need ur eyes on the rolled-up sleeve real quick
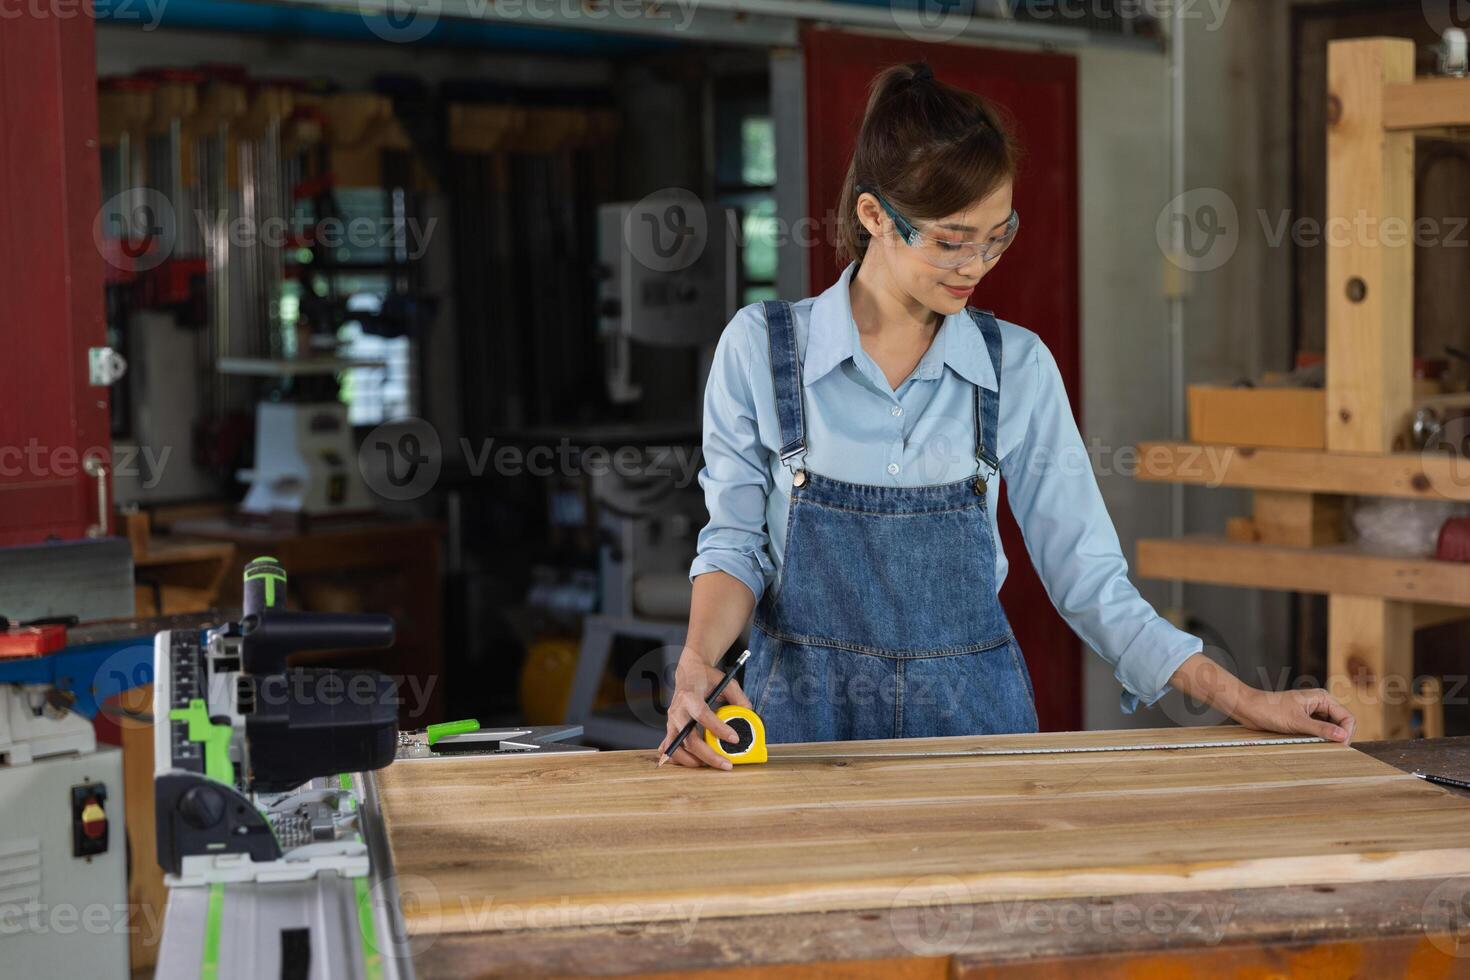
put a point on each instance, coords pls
(1054, 495)
(735, 476)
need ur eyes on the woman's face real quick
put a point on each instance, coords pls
(944, 291)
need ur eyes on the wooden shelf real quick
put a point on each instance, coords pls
(1424, 476)
(1334, 569)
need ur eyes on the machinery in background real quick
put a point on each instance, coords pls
(255, 221)
(63, 859)
(305, 453)
(250, 754)
(64, 902)
(669, 272)
(670, 278)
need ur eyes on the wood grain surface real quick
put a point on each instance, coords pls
(501, 844)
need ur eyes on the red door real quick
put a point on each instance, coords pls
(51, 302)
(1037, 286)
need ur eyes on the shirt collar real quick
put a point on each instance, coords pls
(832, 338)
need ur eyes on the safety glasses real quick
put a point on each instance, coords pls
(944, 253)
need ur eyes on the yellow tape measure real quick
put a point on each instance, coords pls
(750, 744)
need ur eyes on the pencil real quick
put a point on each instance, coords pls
(1430, 777)
(709, 703)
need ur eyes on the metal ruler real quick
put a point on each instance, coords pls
(966, 753)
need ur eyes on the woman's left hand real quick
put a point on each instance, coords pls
(1296, 713)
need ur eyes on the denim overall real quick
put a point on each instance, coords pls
(886, 623)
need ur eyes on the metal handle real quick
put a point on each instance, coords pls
(93, 466)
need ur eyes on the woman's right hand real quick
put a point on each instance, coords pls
(694, 678)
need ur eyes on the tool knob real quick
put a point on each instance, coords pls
(201, 807)
(265, 586)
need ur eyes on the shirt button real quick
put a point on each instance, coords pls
(893, 469)
(897, 411)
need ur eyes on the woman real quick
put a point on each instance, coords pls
(852, 447)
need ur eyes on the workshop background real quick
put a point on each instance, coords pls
(418, 298)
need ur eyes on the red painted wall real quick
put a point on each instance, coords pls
(51, 301)
(1036, 285)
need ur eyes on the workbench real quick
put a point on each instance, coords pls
(519, 837)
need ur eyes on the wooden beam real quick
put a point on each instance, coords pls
(1370, 663)
(1423, 476)
(1300, 520)
(1427, 616)
(1337, 569)
(1428, 103)
(1370, 259)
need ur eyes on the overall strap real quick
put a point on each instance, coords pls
(987, 402)
(786, 376)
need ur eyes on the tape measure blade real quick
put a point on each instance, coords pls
(1073, 750)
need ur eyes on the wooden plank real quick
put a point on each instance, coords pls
(1299, 520)
(1279, 417)
(1427, 103)
(864, 943)
(1370, 662)
(547, 842)
(1333, 569)
(1426, 476)
(1370, 261)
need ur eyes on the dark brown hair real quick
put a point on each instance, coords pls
(929, 148)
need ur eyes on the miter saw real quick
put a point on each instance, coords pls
(252, 756)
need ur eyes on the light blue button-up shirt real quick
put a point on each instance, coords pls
(859, 430)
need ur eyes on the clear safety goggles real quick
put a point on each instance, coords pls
(944, 253)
